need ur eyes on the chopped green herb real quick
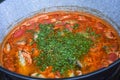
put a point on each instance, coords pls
(89, 29)
(32, 42)
(30, 31)
(37, 74)
(60, 52)
(106, 49)
(91, 32)
(75, 26)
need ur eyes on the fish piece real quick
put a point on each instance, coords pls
(21, 58)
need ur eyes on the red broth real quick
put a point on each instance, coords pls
(94, 41)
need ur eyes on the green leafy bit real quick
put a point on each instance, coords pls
(60, 52)
(106, 49)
(91, 32)
(75, 26)
(32, 42)
(30, 31)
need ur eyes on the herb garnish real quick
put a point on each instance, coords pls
(91, 32)
(60, 52)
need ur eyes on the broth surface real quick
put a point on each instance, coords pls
(60, 44)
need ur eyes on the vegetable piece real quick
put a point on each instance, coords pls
(53, 20)
(78, 72)
(34, 74)
(27, 57)
(76, 26)
(71, 74)
(79, 64)
(68, 26)
(8, 47)
(35, 53)
(37, 75)
(112, 57)
(57, 75)
(106, 49)
(71, 22)
(110, 35)
(18, 33)
(115, 47)
(65, 17)
(100, 26)
(35, 36)
(51, 75)
(82, 18)
(23, 42)
(43, 17)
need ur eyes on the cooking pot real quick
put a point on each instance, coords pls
(107, 73)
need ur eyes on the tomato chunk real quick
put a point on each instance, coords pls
(19, 33)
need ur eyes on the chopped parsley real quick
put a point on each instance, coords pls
(75, 26)
(91, 32)
(60, 52)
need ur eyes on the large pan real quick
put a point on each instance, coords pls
(103, 74)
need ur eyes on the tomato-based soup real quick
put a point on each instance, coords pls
(60, 44)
